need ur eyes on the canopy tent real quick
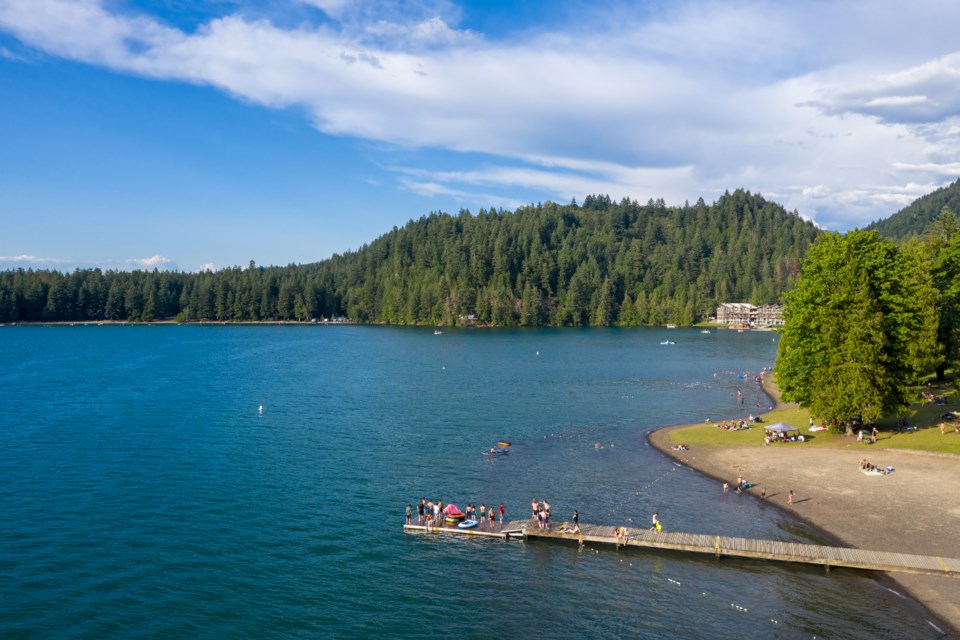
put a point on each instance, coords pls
(780, 427)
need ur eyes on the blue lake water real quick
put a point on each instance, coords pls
(143, 495)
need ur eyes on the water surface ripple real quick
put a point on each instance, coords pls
(143, 495)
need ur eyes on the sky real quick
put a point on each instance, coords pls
(191, 135)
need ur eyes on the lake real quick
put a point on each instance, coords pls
(143, 494)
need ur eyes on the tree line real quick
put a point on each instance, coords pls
(597, 263)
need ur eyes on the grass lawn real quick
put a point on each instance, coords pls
(924, 416)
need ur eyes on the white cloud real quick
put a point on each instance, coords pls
(812, 108)
(153, 262)
(207, 266)
(333, 8)
(25, 259)
(945, 169)
(925, 93)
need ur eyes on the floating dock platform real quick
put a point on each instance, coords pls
(718, 546)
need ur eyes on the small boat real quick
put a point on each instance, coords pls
(668, 342)
(468, 524)
(705, 331)
(503, 443)
(437, 332)
(671, 326)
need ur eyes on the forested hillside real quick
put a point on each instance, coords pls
(599, 263)
(916, 218)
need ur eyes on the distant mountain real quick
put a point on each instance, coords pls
(914, 219)
(599, 263)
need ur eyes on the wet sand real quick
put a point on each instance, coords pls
(915, 509)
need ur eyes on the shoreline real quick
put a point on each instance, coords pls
(845, 508)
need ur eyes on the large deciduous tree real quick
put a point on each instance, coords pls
(860, 328)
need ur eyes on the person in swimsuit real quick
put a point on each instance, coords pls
(576, 522)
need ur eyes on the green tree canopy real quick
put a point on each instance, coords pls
(860, 327)
(946, 278)
(541, 264)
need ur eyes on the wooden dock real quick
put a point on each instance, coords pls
(718, 546)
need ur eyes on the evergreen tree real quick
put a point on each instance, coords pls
(859, 329)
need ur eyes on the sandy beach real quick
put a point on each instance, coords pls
(915, 509)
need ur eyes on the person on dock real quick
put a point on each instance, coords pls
(576, 522)
(546, 514)
(536, 509)
(493, 518)
(655, 521)
(500, 509)
(420, 507)
(409, 514)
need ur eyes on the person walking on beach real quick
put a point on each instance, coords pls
(763, 493)
(790, 497)
(726, 487)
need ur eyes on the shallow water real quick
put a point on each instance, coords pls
(144, 495)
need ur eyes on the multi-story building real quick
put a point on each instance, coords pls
(743, 314)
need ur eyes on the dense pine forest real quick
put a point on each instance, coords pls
(915, 219)
(596, 263)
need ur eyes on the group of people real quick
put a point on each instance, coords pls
(735, 425)
(869, 439)
(743, 484)
(781, 437)
(486, 513)
(541, 513)
(432, 513)
(868, 467)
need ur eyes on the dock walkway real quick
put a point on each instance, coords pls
(718, 546)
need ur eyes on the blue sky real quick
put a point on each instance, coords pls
(190, 135)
